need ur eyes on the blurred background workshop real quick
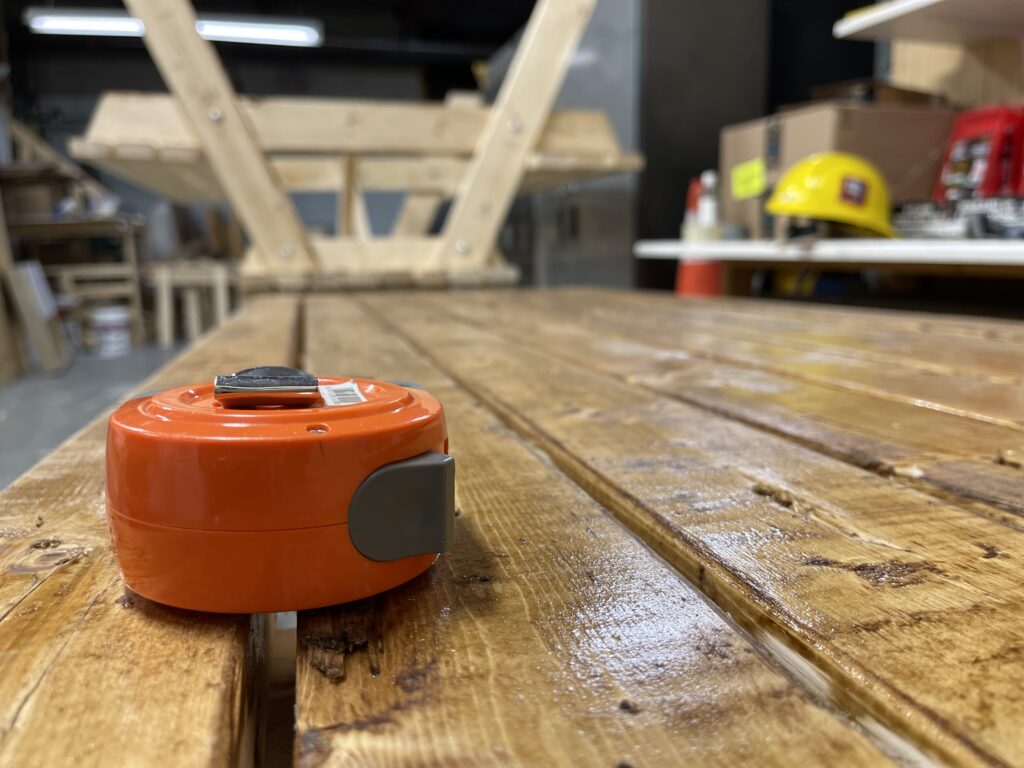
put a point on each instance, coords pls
(749, 272)
(131, 230)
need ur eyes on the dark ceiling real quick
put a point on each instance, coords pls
(383, 29)
(440, 39)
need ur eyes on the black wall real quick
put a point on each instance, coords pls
(706, 65)
(437, 40)
(804, 53)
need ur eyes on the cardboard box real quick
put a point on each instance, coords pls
(906, 143)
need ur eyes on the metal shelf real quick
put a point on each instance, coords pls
(953, 21)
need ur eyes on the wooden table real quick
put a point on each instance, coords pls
(711, 532)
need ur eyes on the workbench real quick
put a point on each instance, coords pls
(720, 532)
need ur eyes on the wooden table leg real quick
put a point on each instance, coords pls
(221, 296)
(164, 307)
(193, 314)
(131, 257)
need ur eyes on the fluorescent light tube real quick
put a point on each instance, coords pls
(46, 21)
(257, 30)
(271, 32)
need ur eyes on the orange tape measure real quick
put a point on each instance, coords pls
(273, 490)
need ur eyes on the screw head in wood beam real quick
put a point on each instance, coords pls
(215, 115)
(463, 248)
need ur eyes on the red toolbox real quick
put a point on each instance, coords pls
(983, 158)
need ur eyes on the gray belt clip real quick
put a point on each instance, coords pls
(405, 508)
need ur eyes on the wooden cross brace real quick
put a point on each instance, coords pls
(256, 186)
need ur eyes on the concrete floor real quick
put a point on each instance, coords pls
(37, 413)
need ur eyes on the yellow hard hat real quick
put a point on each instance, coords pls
(834, 186)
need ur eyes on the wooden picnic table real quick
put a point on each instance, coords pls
(703, 532)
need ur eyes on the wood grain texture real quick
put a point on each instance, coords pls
(126, 125)
(91, 675)
(968, 75)
(548, 636)
(973, 394)
(845, 316)
(910, 607)
(935, 347)
(942, 452)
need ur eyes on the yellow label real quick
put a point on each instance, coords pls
(748, 179)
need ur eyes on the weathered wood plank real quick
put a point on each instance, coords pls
(938, 451)
(185, 176)
(987, 398)
(987, 461)
(90, 675)
(333, 126)
(205, 97)
(939, 348)
(514, 126)
(842, 317)
(772, 315)
(910, 607)
(548, 636)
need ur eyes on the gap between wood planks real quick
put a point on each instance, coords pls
(277, 696)
(77, 649)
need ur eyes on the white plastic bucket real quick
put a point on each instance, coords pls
(111, 330)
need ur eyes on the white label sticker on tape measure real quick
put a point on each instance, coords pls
(346, 393)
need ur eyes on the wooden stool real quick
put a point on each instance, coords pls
(192, 279)
(92, 281)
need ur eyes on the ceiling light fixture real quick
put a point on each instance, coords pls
(51, 21)
(305, 34)
(256, 30)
